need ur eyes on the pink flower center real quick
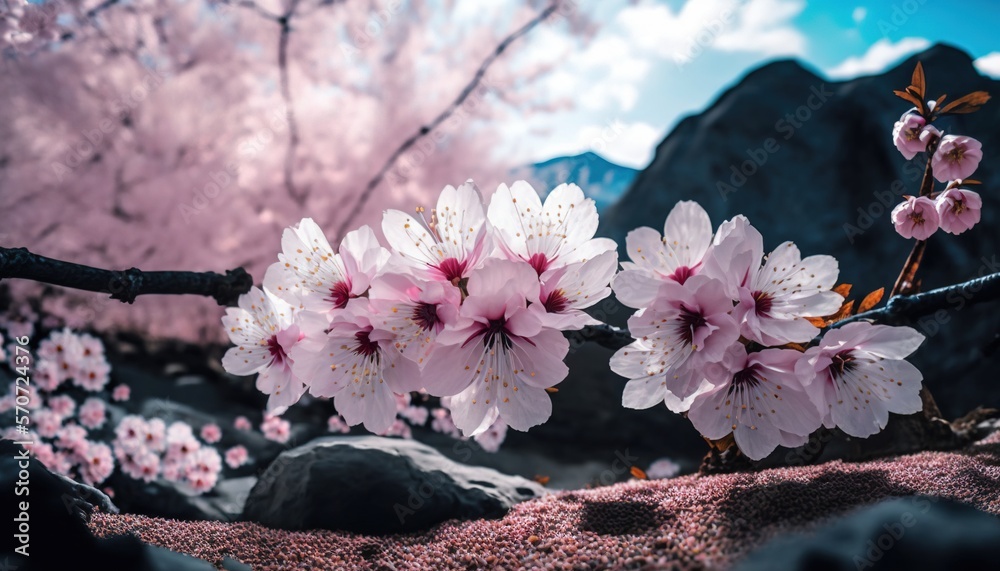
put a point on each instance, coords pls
(452, 269)
(340, 294)
(763, 303)
(495, 331)
(425, 316)
(842, 362)
(956, 154)
(745, 379)
(682, 274)
(365, 346)
(539, 262)
(556, 302)
(688, 323)
(278, 356)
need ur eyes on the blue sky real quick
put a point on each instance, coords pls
(654, 61)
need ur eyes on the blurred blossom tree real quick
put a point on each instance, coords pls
(186, 134)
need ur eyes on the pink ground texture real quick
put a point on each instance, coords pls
(691, 522)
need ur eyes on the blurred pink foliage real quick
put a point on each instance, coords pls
(154, 134)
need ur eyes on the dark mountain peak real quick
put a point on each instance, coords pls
(941, 55)
(780, 70)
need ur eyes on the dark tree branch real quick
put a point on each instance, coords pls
(123, 285)
(900, 310)
(426, 129)
(286, 95)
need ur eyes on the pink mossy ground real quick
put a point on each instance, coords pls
(690, 522)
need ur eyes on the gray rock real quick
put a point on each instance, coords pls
(375, 485)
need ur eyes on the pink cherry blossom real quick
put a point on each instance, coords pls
(310, 275)
(201, 482)
(130, 434)
(92, 374)
(47, 376)
(550, 235)
(916, 217)
(62, 405)
(662, 468)
(64, 350)
(449, 246)
(414, 310)
(97, 463)
(398, 428)
(956, 157)
(242, 423)
(415, 415)
(276, 428)
(205, 460)
(759, 400)
(675, 256)
(92, 413)
(264, 332)
(567, 290)
(92, 347)
(121, 393)
(911, 134)
(211, 433)
(499, 359)
(857, 375)
(357, 364)
(441, 422)
(337, 424)
(237, 456)
(687, 327)
(784, 291)
(72, 438)
(493, 437)
(959, 209)
(47, 423)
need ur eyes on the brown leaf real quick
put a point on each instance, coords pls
(542, 479)
(909, 97)
(843, 313)
(940, 100)
(843, 289)
(918, 80)
(638, 473)
(967, 103)
(817, 321)
(971, 181)
(551, 390)
(724, 443)
(871, 300)
(799, 346)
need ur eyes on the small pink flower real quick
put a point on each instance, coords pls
(441, 422)
(72, 438)
(97, 464)
(911, 135)
(236, 456)
(662, 468)
(275, 428)
(121, 393)
(92, 374)
(337, 424)
(62, 405)
(242, 423)
(47, 423)
(205, 460)
(211, 433)
(493, 437)
(398, 428)
(956, 157)
(92, 413)
(47, 375)
(916, 217)
(416, 415)
(201, 482)
(959, 209)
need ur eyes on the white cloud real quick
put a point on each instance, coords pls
(859, 14)
(753, 26)
(628, 144)
(989, 65)
(879, 56)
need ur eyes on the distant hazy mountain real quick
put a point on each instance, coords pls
(812, 160)
(599, 178)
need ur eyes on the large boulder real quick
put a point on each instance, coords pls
(375, 485)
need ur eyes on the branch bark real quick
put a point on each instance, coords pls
(426, 129)
(123, 285)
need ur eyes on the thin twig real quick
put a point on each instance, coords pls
(123, 285)
(426, 129)
(286, 95)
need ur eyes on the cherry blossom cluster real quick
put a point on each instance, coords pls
(713, 329)
(955, 158)
(75, 439)
(468, 304)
